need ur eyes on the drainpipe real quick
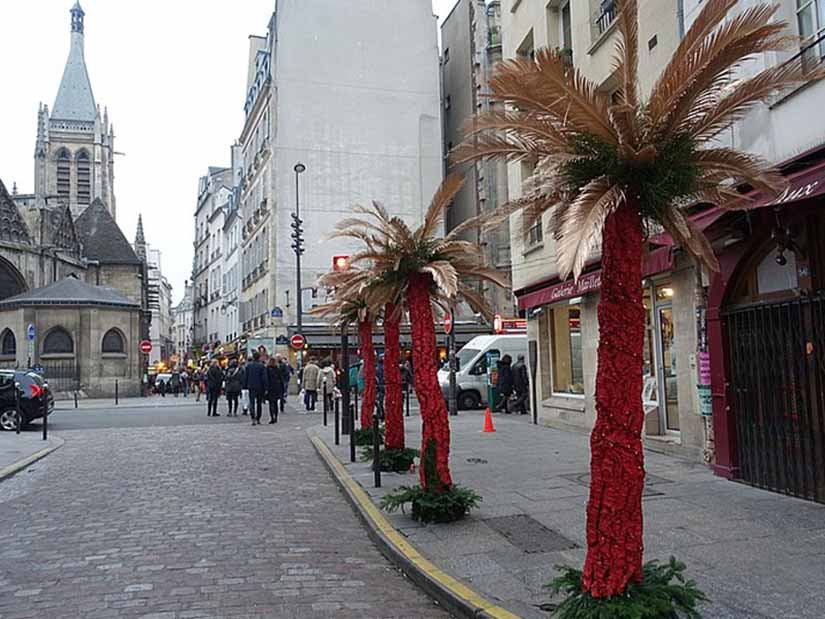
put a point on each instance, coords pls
(680, 18)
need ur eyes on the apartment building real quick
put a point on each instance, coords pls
(721, 357)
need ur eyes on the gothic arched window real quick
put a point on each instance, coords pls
(64, 173)
(84, 178)
(8, 344)
(113, 342)
(58, 341)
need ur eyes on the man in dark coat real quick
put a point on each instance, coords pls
(505, 382)
(521, 385)
(214, 382)
(257, 382)
(234, 376)
(275, 393)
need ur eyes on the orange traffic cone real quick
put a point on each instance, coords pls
(488, 421)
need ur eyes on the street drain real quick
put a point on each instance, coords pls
(529, 535)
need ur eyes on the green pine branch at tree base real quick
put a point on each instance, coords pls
(428, 507)
(392, 460)
(664, 593)
(363, 436)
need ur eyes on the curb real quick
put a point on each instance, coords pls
(453, 595)
(18, 466)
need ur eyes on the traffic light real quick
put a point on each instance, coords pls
(340, 263)
(297, 234)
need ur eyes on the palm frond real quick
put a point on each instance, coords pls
(583, 224)
(741, 167)
(510, 147)
(626, 65)
(441, 200)
(689, 237)
(444, 275)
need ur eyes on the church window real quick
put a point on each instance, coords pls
(84, 178)
(64, 171)
(58, 341)
(8, 344)
(113, 342)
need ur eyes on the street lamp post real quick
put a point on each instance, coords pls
(298, 246)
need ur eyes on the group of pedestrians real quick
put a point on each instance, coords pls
(247, 385)
(513, 385)
(316, 378)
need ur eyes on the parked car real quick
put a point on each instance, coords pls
(471, 375)
(35, 398)
(162, 381)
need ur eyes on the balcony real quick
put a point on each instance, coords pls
(604, 18)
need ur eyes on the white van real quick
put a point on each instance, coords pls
(471, 376)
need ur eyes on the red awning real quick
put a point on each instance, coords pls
(802, 185)
(658, 261)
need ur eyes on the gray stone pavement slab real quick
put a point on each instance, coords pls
(222, 520)
(757, 555)
(15, 448)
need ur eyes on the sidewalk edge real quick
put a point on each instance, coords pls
(18, 466)
(447, 590)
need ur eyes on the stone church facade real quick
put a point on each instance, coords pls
(65, 265)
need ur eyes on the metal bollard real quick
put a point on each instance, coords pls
(376, 453)
(337, 420)
(75, 399)
(407, 397)
(116, 392)
(351, 436)
(325, 405)
(45, 420)
(17, 410)
(355, 403)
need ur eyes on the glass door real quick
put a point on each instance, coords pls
(667, 369)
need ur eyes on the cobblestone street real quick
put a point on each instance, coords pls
(221, 520)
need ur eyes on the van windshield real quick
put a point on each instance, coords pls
(465, 355)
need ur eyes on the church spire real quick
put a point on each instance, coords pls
(75, 101)
(140, 240)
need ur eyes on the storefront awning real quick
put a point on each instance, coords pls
(555, 291)
(803, 185)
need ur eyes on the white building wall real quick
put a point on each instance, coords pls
(358, 103)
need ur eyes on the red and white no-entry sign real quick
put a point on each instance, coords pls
(297, 341)
(146, 347)
(448, 322)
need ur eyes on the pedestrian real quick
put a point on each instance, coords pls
(256, 381)
(310, 381)
(244, 390)
(505, 382)
(196, 384)
(174, 382)
(275, 392)
(521, 385)
(184, 383)
(286, 373)
(161, 387)
(233, 387)
(327, 383)
(214, 382)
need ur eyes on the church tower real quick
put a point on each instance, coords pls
(74, 151)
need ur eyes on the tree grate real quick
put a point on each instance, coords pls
(529, 535)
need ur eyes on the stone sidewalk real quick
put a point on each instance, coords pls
(17, 449)
(756, 554)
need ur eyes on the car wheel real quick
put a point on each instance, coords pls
(468, 400)
(8, 420)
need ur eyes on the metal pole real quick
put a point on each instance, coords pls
(299, 301)
(116, 392)
(376, 454)
(453, 402)
(337, 421)
(45, 419)
(17, 410)
(75, 399)
(407, 398)
(325, 404)
(351, 436)
(345, 393)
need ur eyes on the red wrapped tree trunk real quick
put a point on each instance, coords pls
(368, 355)
(614, 510)
(435, 426)
(393, 414)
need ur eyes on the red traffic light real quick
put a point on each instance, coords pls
(340, 263)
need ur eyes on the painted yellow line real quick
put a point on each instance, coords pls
(402, 545)
(18, 466)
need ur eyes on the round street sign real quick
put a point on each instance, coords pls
(448, 322)
(146, 347)
(297, 341)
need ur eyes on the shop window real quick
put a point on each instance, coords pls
(58, 341)
(568, 372)
(113, 342)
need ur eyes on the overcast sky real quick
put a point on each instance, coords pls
(172, 74)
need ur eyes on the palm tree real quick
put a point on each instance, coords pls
(608, 171)
(422, 267)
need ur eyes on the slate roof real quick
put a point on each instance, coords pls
(12, 226)
(70, 291)
(102, 238)
(75, 100)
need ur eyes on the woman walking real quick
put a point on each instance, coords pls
(233, 387)
(275, 393)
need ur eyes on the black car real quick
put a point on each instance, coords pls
(35, 397)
